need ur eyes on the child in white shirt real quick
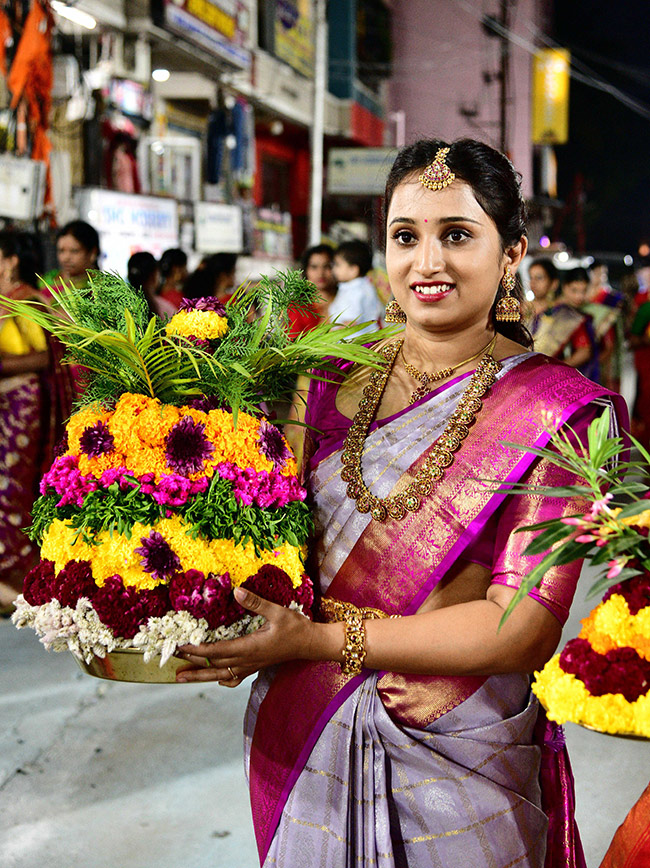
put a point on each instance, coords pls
(356, 299)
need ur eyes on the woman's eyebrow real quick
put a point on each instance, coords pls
(441, 220)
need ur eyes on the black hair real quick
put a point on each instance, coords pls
(26, 248)
(202, 282)
(140, 267)
(311, 251)
(548, 267)
(356, 253)
(82, 232)
(496, 186)
(172, 258)
(597, 263)
(573, 274)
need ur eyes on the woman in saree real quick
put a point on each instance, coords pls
(77, 253)
(35, 400)
(566, 331)
(399, 729)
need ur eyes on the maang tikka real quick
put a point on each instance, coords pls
(437, 175)
(508, 308)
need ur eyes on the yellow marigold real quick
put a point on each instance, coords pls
(116, 555)
(204, 324)
(566, 698)
(640, 520)
(96, 466)
(610, 625)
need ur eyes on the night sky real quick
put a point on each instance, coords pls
(609, 144)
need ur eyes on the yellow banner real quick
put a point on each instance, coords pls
(551, 97)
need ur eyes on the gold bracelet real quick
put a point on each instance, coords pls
(354, 650)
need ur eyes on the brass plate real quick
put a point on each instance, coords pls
(128, 664)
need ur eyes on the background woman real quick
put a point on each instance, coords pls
(77, 252)
(143, 272)
(544, 283)
(566, 331)
(316, 263)
(35, 400)
(415, 740)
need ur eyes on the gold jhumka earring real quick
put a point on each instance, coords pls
(437, 175)
(508, 308)
(394, 312)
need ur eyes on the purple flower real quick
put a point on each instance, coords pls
(96, 440)
(157, 556)
(187, 446)
(208, 597)
(208, 302)
(172, 490)
(66, 479)
(272, 444)
(207, 403)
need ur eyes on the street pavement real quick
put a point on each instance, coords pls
(95, 774)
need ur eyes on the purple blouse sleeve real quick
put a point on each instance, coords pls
(509, 564)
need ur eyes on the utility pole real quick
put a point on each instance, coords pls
(318, 124)
(504, 72)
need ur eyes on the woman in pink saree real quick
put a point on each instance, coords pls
(399, 729)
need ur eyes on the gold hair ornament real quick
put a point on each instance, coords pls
(508, 308)
(438, 175)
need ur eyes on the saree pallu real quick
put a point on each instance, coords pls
(405, 770)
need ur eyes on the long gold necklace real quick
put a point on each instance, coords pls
(439, 458)
(427, 380)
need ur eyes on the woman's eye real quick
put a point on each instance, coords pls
(456, 235)
(404, 236)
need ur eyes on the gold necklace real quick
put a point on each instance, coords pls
(441, 454)
(427, 380)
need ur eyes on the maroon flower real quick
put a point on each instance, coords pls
(158, 558)
(272, 445)
(636, 592)
(208, 302)
(96, 440)
(62, 446)
(38, 584)
(123, 608)
(304, 595)
(75, 580)
(272, 584)
(208, 597)
(187, 447)
(208, 402)
(621, 670)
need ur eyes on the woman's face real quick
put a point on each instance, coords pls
(575, 293)
(8, 270)
(74, 259)
(319, 271)
(540, 283)
(444, 257)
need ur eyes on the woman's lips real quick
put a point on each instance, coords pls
(432, 291)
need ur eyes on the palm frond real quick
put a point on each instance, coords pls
(108, 329)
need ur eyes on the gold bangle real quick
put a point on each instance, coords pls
(354, 650)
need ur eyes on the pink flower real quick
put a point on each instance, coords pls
(573, 520)
(615, 567)
(585, 538)
(599, 505)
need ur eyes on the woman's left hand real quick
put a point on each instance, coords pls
(286, 635)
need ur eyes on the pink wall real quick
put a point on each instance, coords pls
(440, 53)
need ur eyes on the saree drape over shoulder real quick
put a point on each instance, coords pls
(401, 770)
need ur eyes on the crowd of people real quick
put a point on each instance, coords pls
(576, 316)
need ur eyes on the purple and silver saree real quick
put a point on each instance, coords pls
(407, 770)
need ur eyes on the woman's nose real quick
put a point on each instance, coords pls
(429, 259)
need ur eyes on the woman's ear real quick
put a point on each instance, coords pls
(516, 253)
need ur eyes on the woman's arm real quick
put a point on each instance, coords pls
(458, 640)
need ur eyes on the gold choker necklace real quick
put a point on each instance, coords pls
(441, 454)
(427, 380)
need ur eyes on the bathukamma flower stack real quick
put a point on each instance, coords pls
(172, 487)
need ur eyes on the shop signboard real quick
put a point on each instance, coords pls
(128, 224)
(272, 234)
(219, 228)
(358, 171)
(551, 97)
(294, 35)
(219, 26)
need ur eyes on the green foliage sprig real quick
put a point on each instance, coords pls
(107, 328)
(613, 533)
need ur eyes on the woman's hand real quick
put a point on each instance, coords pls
(286, 635)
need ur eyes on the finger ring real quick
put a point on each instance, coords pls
(232, 674)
